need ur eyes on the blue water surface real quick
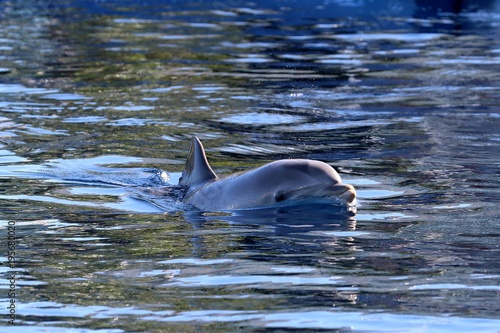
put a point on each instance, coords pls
(98, 102)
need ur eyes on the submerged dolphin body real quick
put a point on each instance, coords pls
(282, 182)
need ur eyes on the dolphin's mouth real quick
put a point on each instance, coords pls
(343, 193)
(347, 193)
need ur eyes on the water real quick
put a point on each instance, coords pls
(98, 101)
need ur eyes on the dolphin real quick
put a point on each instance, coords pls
(283, 182)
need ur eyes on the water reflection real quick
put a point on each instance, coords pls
(99, 100)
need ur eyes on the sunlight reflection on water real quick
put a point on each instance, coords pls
(96, 112)
(295, 320)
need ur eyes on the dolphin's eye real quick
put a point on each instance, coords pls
(280, 197)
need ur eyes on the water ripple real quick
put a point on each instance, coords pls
(98, 99)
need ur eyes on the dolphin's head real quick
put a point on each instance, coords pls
(299, 179)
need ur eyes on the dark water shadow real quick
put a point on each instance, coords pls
(308, 216)
(271, 234)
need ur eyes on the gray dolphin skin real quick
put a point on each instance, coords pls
(282, 182)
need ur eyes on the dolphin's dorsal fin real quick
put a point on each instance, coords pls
(197, 169)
